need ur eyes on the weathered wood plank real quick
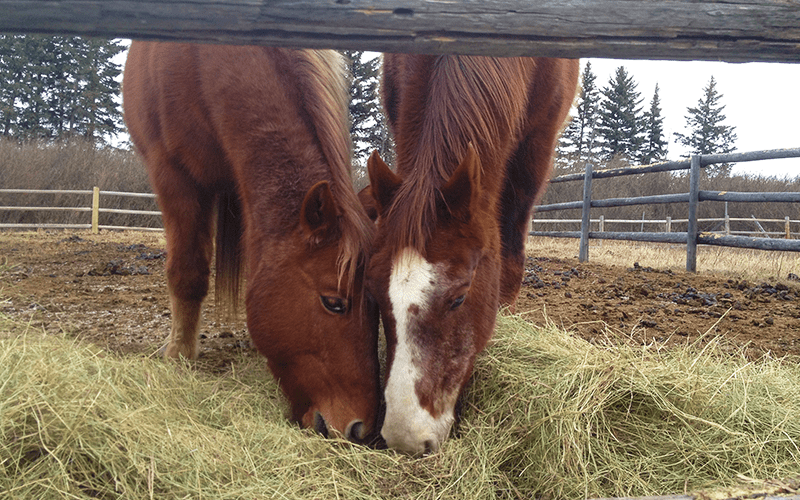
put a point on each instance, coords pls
(733, 30)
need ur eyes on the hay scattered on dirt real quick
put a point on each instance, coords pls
(548, 415)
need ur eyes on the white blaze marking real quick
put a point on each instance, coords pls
(407, 425)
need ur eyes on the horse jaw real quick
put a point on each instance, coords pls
(408, 426)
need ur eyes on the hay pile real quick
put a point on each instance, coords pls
(548, 415)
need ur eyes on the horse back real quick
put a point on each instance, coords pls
(167, 117)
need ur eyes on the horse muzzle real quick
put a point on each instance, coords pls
(355, 431)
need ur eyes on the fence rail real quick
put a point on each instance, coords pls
(692, 237)
(94, 208)
(601, 222)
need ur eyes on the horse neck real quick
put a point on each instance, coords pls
(447, 102)
(321, 76)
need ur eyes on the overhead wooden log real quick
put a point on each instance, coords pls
(732, 30)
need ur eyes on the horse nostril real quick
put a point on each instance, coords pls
(429, 447)
(319, 425)
(356, 431)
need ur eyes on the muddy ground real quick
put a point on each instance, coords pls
(110, 290)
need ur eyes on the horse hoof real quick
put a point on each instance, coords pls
(168, 351)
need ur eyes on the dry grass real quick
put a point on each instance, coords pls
(740, 263)
(548, 416)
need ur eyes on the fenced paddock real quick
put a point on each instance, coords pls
(133, 434)
(691, 237)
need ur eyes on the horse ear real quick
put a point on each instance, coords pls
(319, 216)
(368, 202)
(462, 191)
(383, 182)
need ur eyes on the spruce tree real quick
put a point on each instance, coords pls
(654, 147)
(619, 125)
(707, 134)
(97, 114)
(578, 140)
(368, 126)
(23, 60)
(57, 88)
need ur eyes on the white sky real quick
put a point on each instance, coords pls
(761, 100)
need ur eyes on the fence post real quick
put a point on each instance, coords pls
(583, 253)
(669, 224)
(691, 230)
(95, 210)
(727, 221)
(786, 227)
(603, 223)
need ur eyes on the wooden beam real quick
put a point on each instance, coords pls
(731, 30)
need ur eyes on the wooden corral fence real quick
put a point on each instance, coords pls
(667, 224)
(691, 238)
(94, 209)
(733, 30)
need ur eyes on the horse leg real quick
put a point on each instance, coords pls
(187, 214)
(526, 175)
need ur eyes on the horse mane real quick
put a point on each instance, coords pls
(321, 76)
(452, 101)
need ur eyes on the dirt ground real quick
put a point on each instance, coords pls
(110, 290)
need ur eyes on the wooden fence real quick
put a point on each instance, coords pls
(94, 209)
(692, 237)
(668, 222)
(744, 30)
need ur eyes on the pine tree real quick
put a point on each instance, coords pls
(619, 124)
(23, 59)
(654, 147)
(57, 88)
(13, 88)
(368, 124)
(97, 114)
(707, 134)
(578, 140)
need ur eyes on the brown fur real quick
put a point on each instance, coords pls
(511, 110)
(261, 135)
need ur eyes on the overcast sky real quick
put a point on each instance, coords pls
(761, 100)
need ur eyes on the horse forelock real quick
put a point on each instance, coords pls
(322, 74)
(447, 103)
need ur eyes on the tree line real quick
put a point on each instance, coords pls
(610, 123)
(60, 114)
(61, 88)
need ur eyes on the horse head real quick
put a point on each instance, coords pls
(318, 331)
(438, 302)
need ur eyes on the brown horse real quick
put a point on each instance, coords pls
(259, 136)
(475, 139)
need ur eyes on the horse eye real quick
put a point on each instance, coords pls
(457, 303)
(336, 305)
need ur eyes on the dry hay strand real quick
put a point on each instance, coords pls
(547, 415)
